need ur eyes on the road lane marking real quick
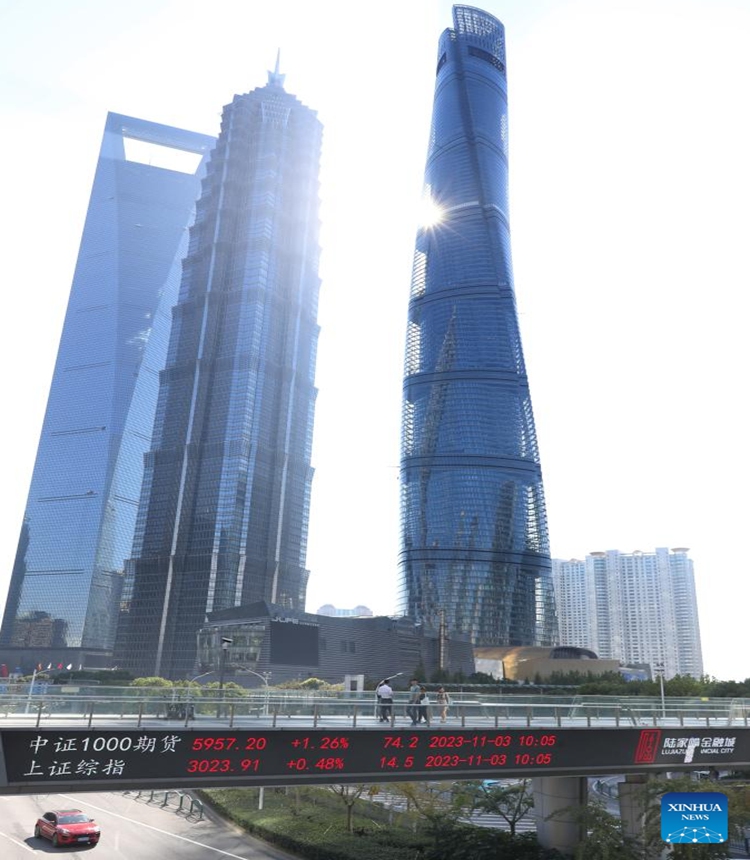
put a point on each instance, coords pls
(22, 844)
(77, 800)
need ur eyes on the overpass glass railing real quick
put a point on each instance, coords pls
(290, 708)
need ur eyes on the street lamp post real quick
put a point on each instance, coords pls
(264, 677)
(660, 672)
(189, 704)
(225, 643)
(31, 691)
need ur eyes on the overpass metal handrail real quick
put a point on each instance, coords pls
(281, 708)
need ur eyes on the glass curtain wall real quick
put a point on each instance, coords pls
(81, 510)
(475, 549)
(224, 510)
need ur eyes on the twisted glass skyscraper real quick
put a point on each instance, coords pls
(475, 550)
(223, 515)
(80, 515)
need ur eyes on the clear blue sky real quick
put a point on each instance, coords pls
(629, 136)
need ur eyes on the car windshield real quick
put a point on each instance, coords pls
(73, 818)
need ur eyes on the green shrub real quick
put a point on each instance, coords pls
(311, 822)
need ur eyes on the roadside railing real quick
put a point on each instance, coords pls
(180, 801)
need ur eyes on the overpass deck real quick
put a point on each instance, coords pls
(272, 710)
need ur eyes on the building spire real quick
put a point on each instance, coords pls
(275, 78)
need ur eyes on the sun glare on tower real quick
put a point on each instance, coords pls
(430, 211)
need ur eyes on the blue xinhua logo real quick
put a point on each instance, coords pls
(697, 817)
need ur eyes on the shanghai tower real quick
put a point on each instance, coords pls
(223, 515)
(475, 550)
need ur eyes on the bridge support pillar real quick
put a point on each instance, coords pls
(632, 806)
(561, 797)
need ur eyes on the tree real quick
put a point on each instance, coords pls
(431, 801)
(231, 689)
(192, 686)
(510, 800)
(349, 795)
(452, 840)
(309, 684)
(603, 837)
(683, 685)
(482, 678)
(151, 682)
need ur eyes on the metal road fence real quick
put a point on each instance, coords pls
(61, 705)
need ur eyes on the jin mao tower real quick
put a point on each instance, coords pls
(475, 549)
(224, 508)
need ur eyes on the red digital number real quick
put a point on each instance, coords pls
(334, 743)
(216, 744)
(442, 761)
(441, 741)
(209, 765)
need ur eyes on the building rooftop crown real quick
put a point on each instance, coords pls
(275, 78)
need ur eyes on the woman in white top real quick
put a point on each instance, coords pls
(443, 701)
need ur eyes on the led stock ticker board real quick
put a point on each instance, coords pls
(80, 760)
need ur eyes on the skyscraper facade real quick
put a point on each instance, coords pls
(637, 607)
(224, 508)
(475, 549)
(80, 515)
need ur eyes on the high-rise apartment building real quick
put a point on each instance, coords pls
(80, 515)
(224, 509)
(475, 550)
(637, 607)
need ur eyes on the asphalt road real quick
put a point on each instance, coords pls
(132, 829)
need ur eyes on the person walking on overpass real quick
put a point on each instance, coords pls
(423, 709)
(443, 701)
(384, 693)
(412, 709)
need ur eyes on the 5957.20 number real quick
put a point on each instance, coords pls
(227, 743)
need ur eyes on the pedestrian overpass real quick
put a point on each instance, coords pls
(102, 742)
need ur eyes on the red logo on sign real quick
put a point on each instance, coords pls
(648, 744)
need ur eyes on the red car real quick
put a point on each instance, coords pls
(67, 827)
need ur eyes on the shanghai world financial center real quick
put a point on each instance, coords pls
(173, 474)
(65, 588)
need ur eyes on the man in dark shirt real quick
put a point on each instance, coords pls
(414, 693)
